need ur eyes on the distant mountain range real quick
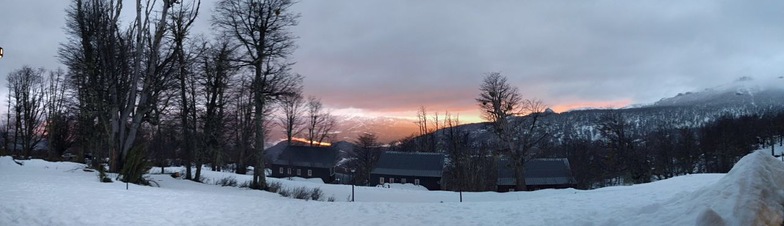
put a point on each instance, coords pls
(743, 96)
(387, 129)
(745, 91)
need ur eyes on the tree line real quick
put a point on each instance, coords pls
(622, 151)
(152, 90)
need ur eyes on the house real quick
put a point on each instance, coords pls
(424, 169)
(306, 162)
(540, 173)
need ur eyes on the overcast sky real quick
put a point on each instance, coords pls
(390, 57)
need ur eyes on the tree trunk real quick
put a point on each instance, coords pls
(519, 166)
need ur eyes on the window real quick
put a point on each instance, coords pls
(299, 171)
(403, 180)
(391, 180)
(288, 171)
(416, 181)
(310, 173)
(280, 170)
(381, 180)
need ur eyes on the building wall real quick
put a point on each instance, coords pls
(431, 183)
(291, 171)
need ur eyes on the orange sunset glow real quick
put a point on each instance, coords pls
(303, 140)
(471, 114)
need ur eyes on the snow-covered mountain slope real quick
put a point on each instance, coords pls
(744, 91)
(348, 128)
(60, 193)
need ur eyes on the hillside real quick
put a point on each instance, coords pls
(746, 91)
(687, 110)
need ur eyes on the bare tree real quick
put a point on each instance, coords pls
(624, 157)
(58, 123)
(364, 156)
(180, 21)
(218, 69)
(118, 75)
(320, 122)
(326, 128)
(291, 120)
(243, 124)
(97, 56)
(261, 28)
(27, 89)
(426, 141)
(516, 122)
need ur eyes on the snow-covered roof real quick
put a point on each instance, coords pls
(544, 171)
(410, 164)
(306, 156)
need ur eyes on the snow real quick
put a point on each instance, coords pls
(61, 193)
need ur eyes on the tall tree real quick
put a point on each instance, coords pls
(97, 55)
(291, 120)
(364, 157)
(260, 27)
(118, 75)
(624, 158)
(218, 69)
(27, 89)
(152, 70)
(58, 123)
(516, 121)
(179, 22)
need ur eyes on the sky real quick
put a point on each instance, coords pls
(388, 58)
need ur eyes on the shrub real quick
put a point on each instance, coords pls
(316, 194)
(274, 187)
(102, 177)
(331, 199)
(135, 166)
(284, 192)
(301, 193)
(245, 184)
(227, 181)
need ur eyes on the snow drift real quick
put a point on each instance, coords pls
(750, 194)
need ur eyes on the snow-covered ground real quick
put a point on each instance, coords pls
(61, 193)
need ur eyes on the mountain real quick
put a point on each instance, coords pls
(745, 91)
(387, 129)
(744, 96)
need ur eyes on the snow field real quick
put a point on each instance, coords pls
(61, 193)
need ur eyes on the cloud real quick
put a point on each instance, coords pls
(403, 53)
(389, 56)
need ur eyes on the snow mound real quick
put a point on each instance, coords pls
(750, 194)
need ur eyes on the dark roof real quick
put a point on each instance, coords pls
(410, 164)
(306, 156)
(545, 171)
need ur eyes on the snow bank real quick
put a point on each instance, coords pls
(750, 194)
